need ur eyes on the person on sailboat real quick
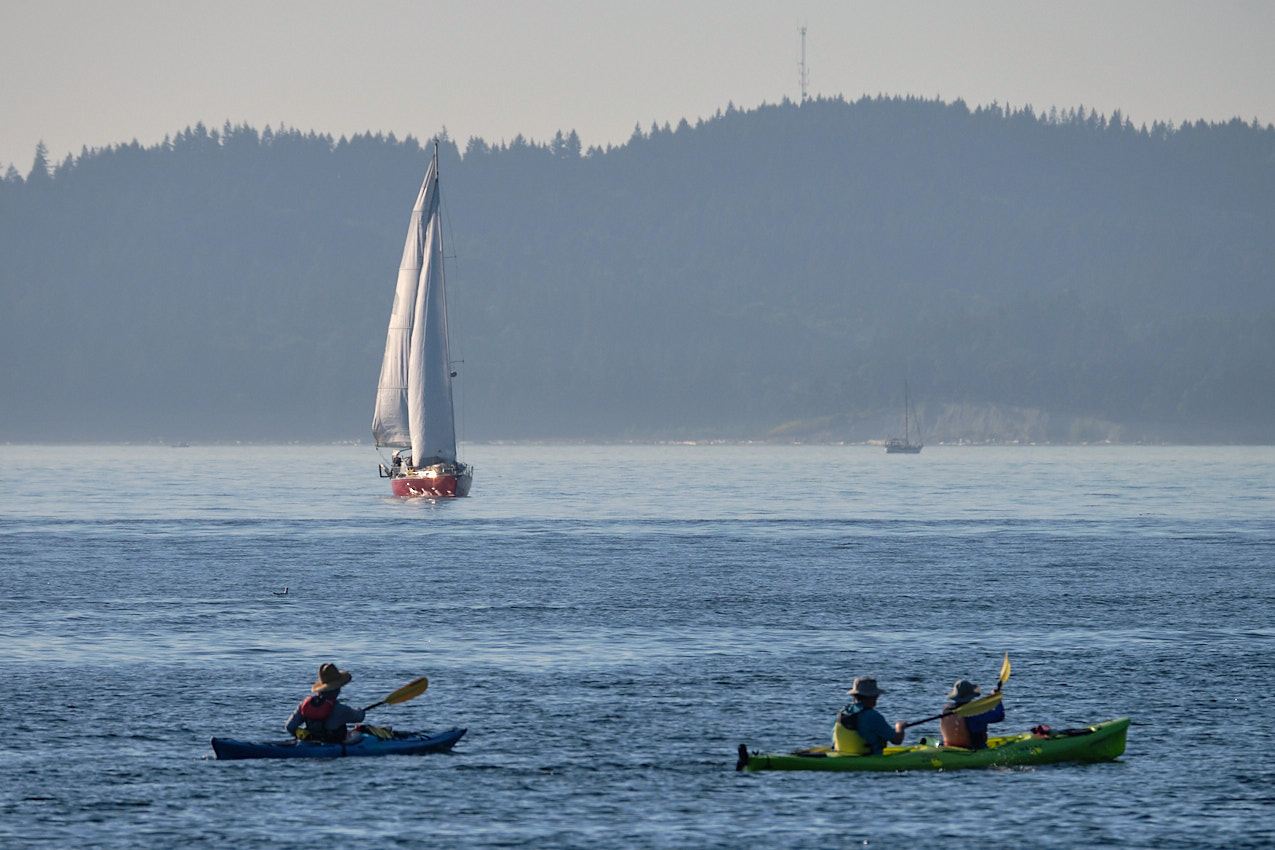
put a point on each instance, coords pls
(860, 729)
(322, 714)
(968, 732)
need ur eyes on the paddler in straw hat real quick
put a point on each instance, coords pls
(322, 713)
(860, 729)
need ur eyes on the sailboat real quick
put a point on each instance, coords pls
(414, 414)
(904, 445)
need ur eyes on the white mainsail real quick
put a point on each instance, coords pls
(414, 395)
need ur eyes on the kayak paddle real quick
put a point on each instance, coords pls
(973, 707)
(411, 690)
(1004, 673)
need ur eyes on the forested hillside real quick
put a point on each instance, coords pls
(773, 273)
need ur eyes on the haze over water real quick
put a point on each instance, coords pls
(610, 622)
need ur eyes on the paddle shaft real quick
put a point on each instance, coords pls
(926, 720)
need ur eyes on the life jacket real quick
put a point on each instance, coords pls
(955, 731)
(846, 737)
(315, 711)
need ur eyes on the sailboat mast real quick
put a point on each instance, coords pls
(907, 404)
(801, 66)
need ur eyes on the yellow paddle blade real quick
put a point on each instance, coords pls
(979, 705)
(411, 690)
(1005, 670)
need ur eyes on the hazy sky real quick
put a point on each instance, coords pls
(99, 72)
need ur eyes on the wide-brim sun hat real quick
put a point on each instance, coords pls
(963, 691)
(865, 686)
(330, 679)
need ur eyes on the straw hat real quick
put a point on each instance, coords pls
(963, 691)
(865, 686)
(330, 679)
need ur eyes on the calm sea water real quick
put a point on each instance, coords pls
(611, 622)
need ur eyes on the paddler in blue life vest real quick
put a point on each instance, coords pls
(860, 729)
(322, 713)
(968, 732)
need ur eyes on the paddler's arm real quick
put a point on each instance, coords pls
(294, 722)
(995, 715)
(900, 731)
(343, 714)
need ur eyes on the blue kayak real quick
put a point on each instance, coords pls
(402, 744)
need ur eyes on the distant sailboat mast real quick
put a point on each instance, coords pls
(907, 412)
(801, 67)
(905, 446)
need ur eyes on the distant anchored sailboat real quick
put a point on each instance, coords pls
(414, 413)
(904, 445)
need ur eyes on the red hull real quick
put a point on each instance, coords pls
(438, 487)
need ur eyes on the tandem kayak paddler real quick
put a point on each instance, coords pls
(1100, 742)
(362, 744)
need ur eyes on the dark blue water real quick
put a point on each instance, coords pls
(611, 622)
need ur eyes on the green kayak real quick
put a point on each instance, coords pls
(1100, 742)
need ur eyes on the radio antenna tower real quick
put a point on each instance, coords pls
(801, 67)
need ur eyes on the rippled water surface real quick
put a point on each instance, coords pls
(611, 622)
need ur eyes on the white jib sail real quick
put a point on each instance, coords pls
(414, 395)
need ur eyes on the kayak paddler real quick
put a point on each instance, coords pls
(860, 729)
(322, 714)
(968, 732)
